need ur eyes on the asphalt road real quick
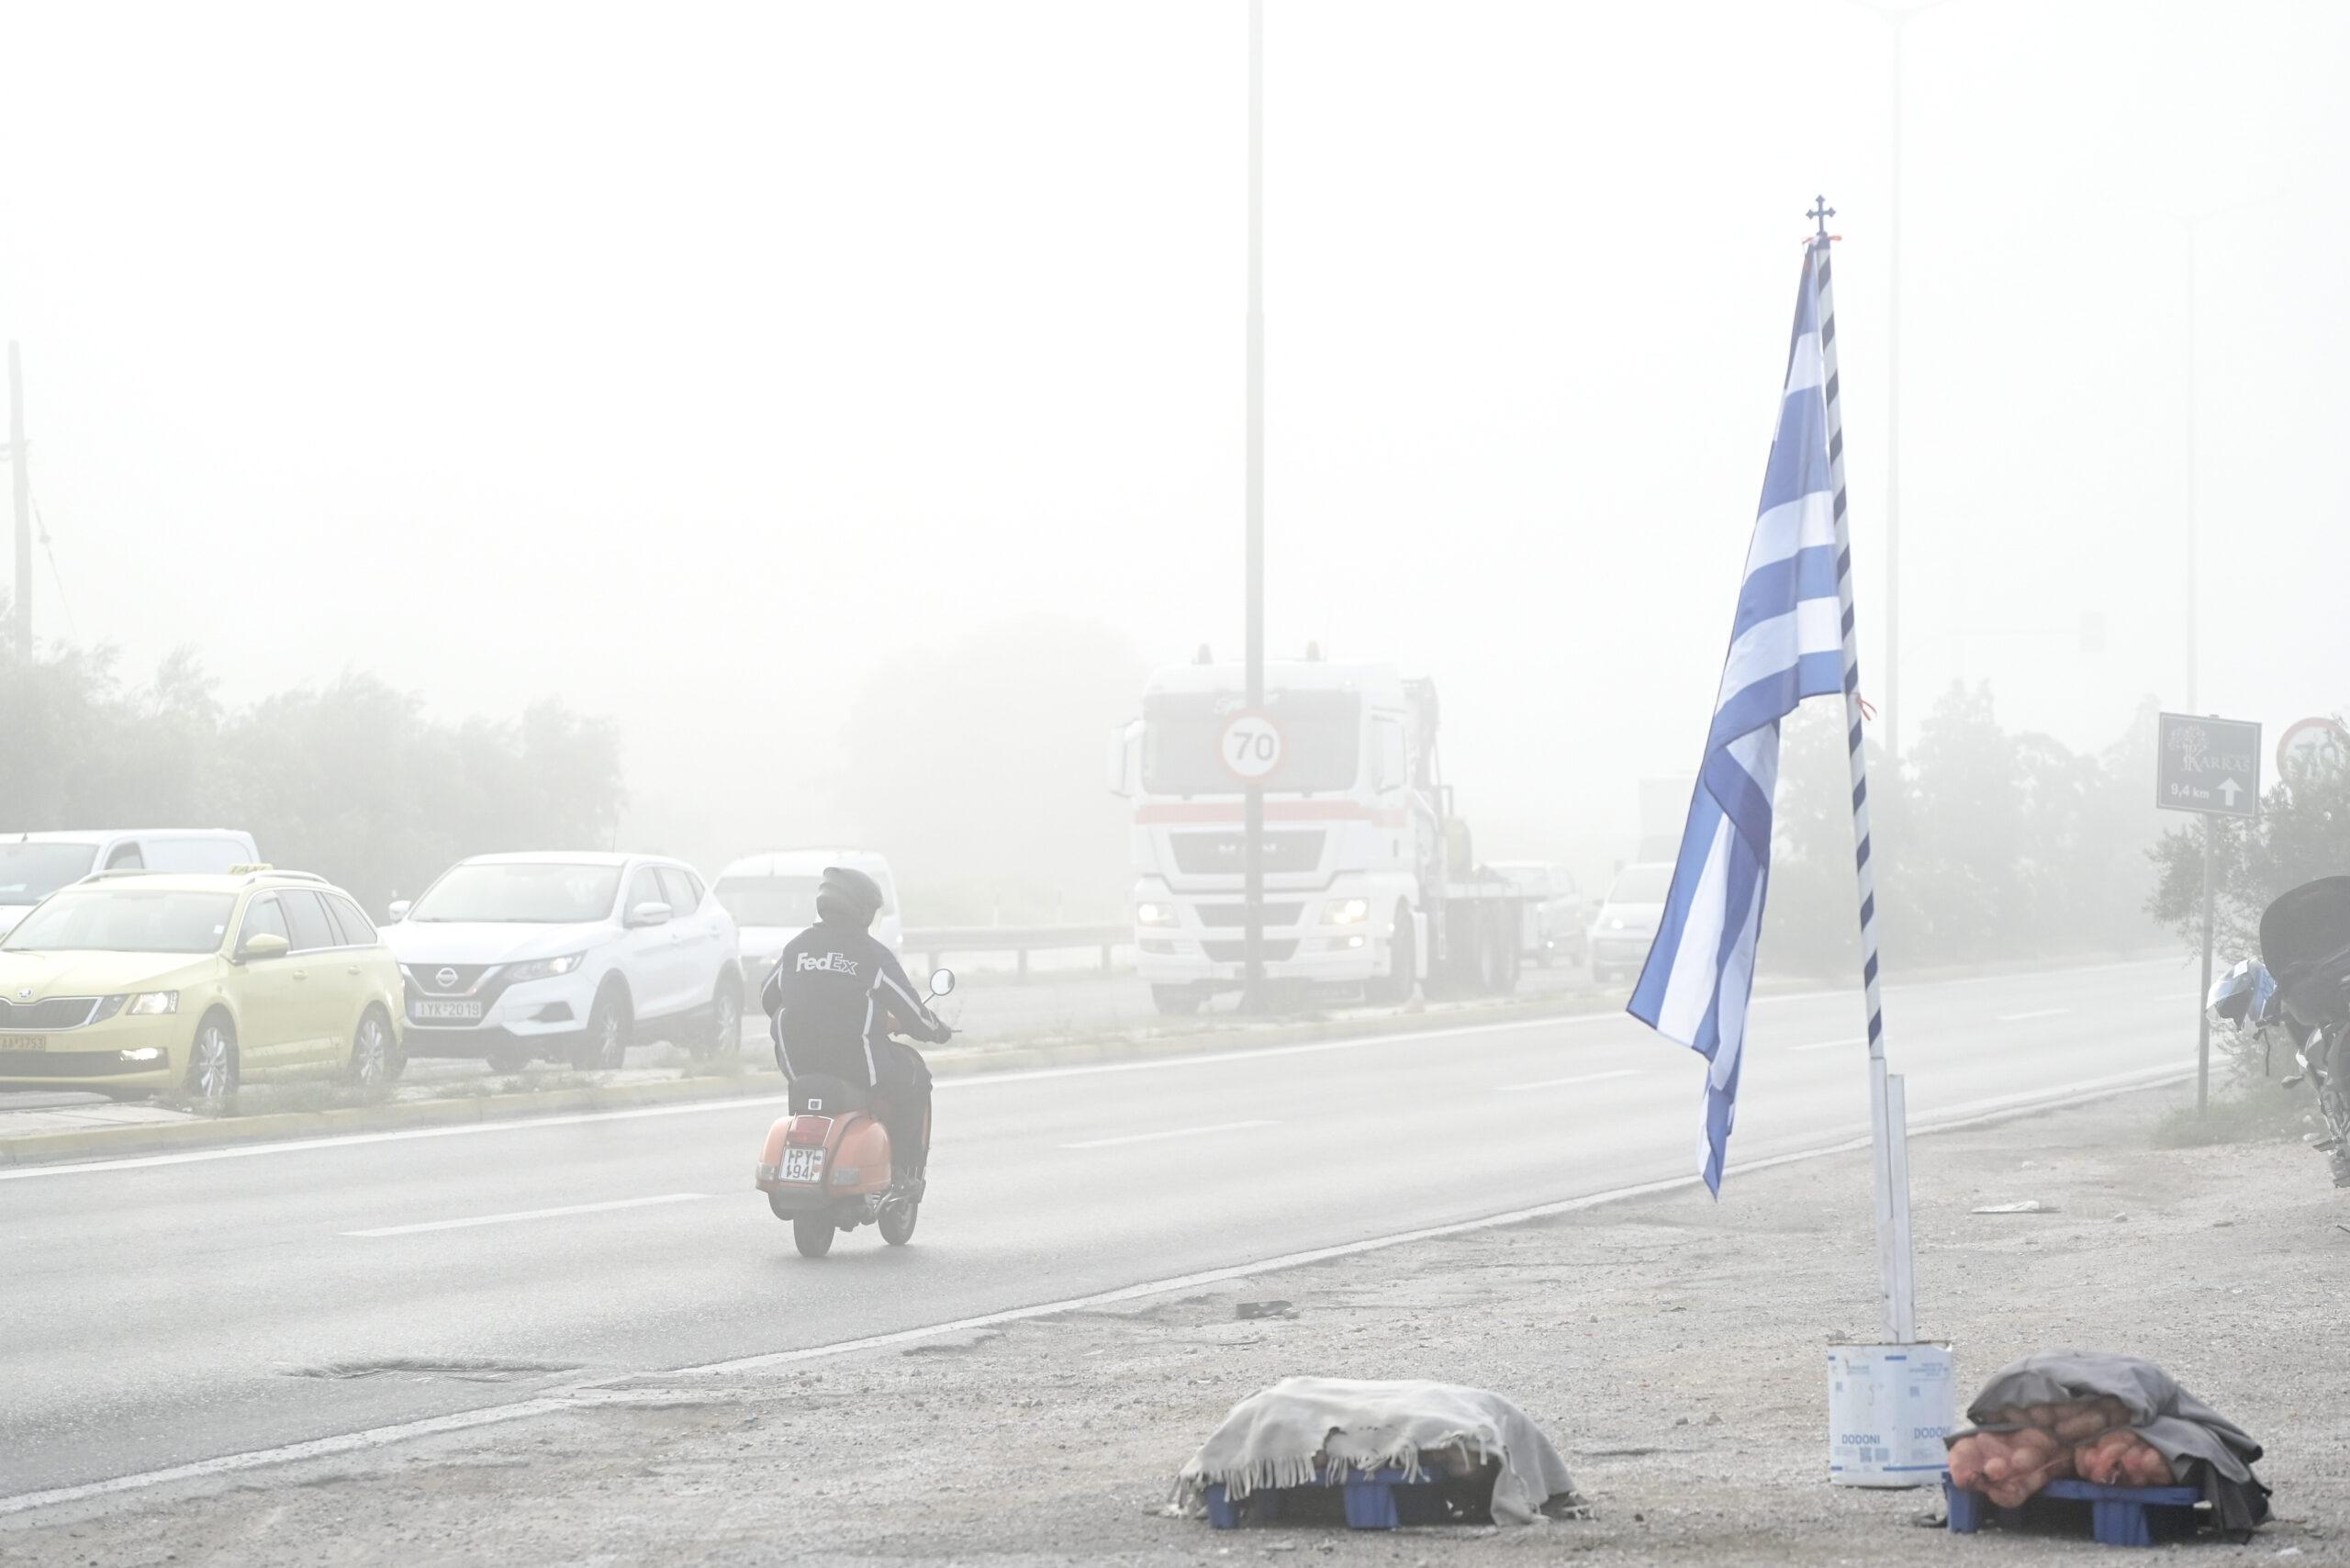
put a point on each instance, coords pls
(176, 1307)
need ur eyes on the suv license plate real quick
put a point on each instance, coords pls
(452, 1011)
(802, 1165)
(24, 1042)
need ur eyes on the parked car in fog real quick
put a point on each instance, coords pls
(141, 980)
(1557, 929)
(35, 865)
(1626, 924)
(566, 955)
(772, 896)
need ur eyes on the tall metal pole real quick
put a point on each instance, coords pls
(20, 482)
(1253, 994)
(2194, 605)
(1893, 435)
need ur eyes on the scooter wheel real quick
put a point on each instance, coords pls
(813, 1234)
(898, 1221)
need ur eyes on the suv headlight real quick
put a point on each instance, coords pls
(544, 968)
(1155, 914)
(154, 1004)
(1348, 912)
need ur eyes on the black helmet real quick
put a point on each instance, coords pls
(848, 897)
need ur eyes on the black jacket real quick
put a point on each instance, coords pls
(836, 994)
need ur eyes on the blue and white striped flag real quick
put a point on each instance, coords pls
(1787, 643)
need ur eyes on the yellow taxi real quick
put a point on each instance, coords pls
(140, 982)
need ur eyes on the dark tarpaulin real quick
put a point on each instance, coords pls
(2200, 1442)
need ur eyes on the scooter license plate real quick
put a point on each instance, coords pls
(801, 1165)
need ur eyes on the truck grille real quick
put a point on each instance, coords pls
(49, 1013)
(1235, 914)
(1238, 952)
(1207, 854)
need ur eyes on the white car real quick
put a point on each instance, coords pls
(568, 956)
(772, 896)
(35, 865)
(1626, 921)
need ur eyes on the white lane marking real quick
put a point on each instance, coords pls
(1171, 1132)
(1829, 1046)
(2028, 1017)
(528, 1214)
(975, 1081)
(570, 1397)
(1562, 1082)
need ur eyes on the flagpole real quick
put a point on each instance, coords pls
(1889, 1120)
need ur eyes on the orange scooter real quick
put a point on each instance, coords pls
(826, 1165)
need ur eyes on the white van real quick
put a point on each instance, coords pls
(772, 896)
(35, 865)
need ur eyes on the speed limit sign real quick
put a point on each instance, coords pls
(1250, 746)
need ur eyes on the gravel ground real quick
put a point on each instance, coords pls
(1673, 1347)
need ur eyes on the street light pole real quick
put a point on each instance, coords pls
(1893, 436)
(2194, 595)
(1253, 847)
(1900, 18)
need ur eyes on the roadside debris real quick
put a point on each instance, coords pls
(1264, 1309)
(2028, 1206)
(1393, 1451)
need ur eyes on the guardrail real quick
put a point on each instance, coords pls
(936, 941)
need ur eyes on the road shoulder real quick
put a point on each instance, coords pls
(1672, 1347)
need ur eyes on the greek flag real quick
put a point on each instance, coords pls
(1786, 644)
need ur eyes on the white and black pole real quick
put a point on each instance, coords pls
(1888, 1118)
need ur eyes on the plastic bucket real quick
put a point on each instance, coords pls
(1889, 1406)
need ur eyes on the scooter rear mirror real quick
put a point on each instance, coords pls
(942, 982)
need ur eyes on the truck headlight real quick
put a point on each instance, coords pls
(544, 968)
(1155, 914)
(154, 1004)
(1348, 912)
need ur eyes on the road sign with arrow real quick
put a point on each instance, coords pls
(2208, 764)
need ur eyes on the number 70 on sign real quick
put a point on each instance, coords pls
(1250, 746)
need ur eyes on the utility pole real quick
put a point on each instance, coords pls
(2194, 610)
(1253, 849)
(20, 482)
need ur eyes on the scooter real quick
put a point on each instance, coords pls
(826, 1164)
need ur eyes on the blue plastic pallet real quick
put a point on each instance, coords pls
(1375, 1500)
(2119, 1516)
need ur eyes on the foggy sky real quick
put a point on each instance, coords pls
(686, 362)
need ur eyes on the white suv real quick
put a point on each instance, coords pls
(510, 957)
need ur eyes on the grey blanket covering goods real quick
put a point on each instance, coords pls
(1289, 1434)
(2203, 1446)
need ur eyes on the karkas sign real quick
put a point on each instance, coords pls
(2208, 764)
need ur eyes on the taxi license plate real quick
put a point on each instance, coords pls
(24, 1042)
(453, 1012)
(801, 1165)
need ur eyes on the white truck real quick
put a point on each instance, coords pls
(1370, 882)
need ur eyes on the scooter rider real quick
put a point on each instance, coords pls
(833, 999)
